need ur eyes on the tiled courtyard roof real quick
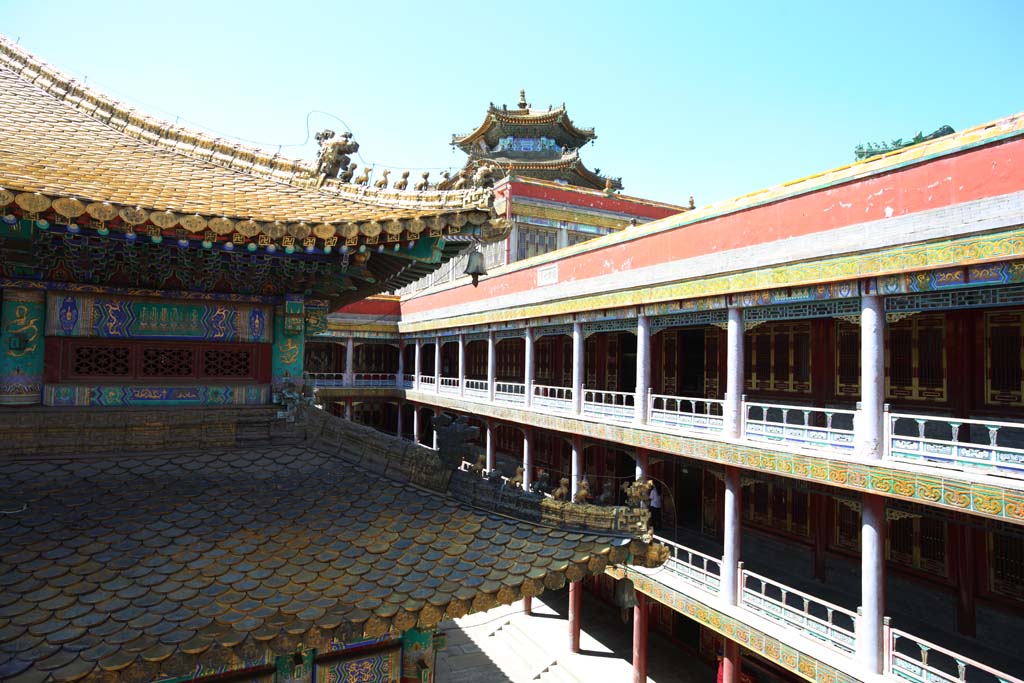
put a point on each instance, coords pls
(164, 564)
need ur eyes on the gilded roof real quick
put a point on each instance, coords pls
(171, 564)
(59, 138)
(505, 118)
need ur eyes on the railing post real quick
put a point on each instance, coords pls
(739, 583)
(886, 645)
(886, 430)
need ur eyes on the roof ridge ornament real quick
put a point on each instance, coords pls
(522, 99)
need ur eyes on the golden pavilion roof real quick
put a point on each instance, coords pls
(169, 564)
(60, 139)
(504, 118)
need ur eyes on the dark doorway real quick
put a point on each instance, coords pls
(691, 365)
(627, 362)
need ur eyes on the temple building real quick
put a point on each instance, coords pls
(823, 380)
(174, 507)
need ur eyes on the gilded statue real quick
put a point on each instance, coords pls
(480, 466)
(382, 184)
(334, 154)
(364, 179)
(424, 184)
(445, 183)
(517, 481)
(562, 492)
(346, 175)
(403, 182)
(583, 492)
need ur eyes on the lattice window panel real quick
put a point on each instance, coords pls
(847, 359)
(544, 370)
(590, 347)
(611, 371)
(714, 317)
(1004, 358)
(226, 363)
(917, 542)
(777, 506)
(711, 383)
(534, 241)
(1006, 564)
(802, 311)
(777, 357)
(552, 331)
(566, 365)
(510, 356)
(617, 325)
(915, 358)
(847, 527)
(101, 361)
(509, 334)
(963, 298)
(319, 358)
(162, 362)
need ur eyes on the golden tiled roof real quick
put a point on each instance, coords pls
(163, 565)
(61, 139)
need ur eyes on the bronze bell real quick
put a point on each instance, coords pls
(475, 267)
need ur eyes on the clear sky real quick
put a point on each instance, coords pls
(713, 99)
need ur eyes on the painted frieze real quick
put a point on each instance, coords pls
(22, 316)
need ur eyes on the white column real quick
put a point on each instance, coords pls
(513, 244)
(870, 425)
(398, 425)
(731, 537)
(491, 462)
(437, 371)
(400, 377)
(492, 365)
(733, 409)
(577, 464)
(643, 366)
(417, 369)
(528, 366)
(870, 638)
(350, 353)
(434, 427)
(577, 367)
(642, 462)
(462, 365)
(527, 457)
(348, 409)
(417, 432)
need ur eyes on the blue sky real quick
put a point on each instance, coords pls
(712, 99)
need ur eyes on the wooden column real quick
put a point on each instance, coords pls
(819, 530)
(575, 604)
(640, 630)
(731, 664)
(962, 538)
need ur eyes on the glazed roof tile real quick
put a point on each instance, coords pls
(59, 138)
(165, 564)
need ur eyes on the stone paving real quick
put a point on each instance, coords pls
(505, 644)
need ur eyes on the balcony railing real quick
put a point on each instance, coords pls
(450, 385)
(324, 379)
(555, 398)
(477, 388)
(957, 442)
(510, 392)
(697, 569)
(683, 412)
(374, 379)
(427, 380)
(832, 624)
(914, 659)
(408, 381)
(802, 426)
(616, 405)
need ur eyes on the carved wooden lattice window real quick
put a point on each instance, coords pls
(1006, 564)
(778, 357)
(566, 364)
(847, 527)
(778, 507)
(510, 359)
(224, 363)
(915, 358)
(847, 359)
(918, 542)
(1004, 358)
(320, 358)
(101, 361)
(669, 352)
(711, 362)
(544, 370)
(476, 365)
(534, 241)
(591, 362)
(174, 362)
(611, 375)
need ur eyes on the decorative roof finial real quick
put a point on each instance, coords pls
(522, 99)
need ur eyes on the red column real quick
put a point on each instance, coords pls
(527, 605)
(640, 616)
(731, 662)
(575, 603)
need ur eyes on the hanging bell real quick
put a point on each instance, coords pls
(475, 267)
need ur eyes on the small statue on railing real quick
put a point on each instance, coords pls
(480, 466)
(607, 496)
(517, 481)
(542, 484)
(494, 477)
(562, 492)
(583, 494)
(638, 493)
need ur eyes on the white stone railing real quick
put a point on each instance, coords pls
(684, 412)
(450, 385)
(408, 381)
(803, 426)
(703, 571)
(325, 379)
(956, 442)
(510, 392)
(427, 380)
(829, 623)
(477, 388)
(910, 658)
(616, 405)
(555, 398)
(374, 379)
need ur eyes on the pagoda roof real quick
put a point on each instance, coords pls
(199, 562)
(568, 167)
(74, 156)
(502, 121)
